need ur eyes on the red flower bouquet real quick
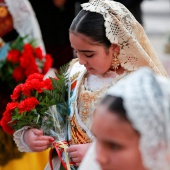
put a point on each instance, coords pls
(17, 61)
(38, 103)
(21, 61)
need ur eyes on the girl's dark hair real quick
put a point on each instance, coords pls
(115, 105)
(90, 24)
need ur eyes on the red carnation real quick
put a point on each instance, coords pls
(35, 76)
(11, 106)
(28, 104)
(48, 63)
(18, 74)
(27, 61)
(13, 56)
(37, 85)
(28, 48)
(34, 84)
(47, 84)
(32, 69)
(16, 92)
(27, 88)
(4, 122)
(39, 53)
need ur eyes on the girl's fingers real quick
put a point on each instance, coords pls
(77, 164)
(48, 138)
(73, 154)
(37, 132)
(39, 149)
(41, 143)
(76, 160)
(72, 148)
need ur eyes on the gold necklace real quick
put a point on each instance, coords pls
(89, 97)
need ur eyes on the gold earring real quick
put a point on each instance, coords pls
(115, 62)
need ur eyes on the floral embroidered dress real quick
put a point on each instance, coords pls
(85, 91)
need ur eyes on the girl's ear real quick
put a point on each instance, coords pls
(115, 48)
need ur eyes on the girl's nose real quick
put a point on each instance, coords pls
(101, 154)
(81, 59)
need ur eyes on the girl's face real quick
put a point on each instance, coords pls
(95, 57)
(117, 144)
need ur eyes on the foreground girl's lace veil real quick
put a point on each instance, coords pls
(146, 98)
(123, 29)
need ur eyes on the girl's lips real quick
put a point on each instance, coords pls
(88, 68)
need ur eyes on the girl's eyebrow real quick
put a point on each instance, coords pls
(85, 51)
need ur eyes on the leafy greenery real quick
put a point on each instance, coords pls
(18, 44)
(59, 97)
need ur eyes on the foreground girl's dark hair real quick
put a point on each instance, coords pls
(90, 24)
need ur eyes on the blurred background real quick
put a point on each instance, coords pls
(156, 22)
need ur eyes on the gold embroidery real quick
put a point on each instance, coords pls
(78, 134)
(74, 76)
(86, 97)
(88, 100)
(86, 104)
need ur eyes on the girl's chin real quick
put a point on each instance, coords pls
(94, 72)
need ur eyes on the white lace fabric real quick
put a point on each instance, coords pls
(146, 98)
(97, 82)
(123, 29)
(19, 140)
(24, 20)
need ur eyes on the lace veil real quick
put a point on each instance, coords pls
(123, 29)
(146, 98)
(24, 20)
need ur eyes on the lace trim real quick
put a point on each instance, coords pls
(19, 140)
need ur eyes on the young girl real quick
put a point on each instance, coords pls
(131, 125)
(109, 44)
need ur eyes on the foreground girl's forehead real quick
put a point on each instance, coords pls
(105, 118)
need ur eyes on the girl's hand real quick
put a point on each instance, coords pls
(36, 141)
(77, 152)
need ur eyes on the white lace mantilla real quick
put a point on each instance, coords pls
(24, 20)
(123, 29)
(146, 98)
